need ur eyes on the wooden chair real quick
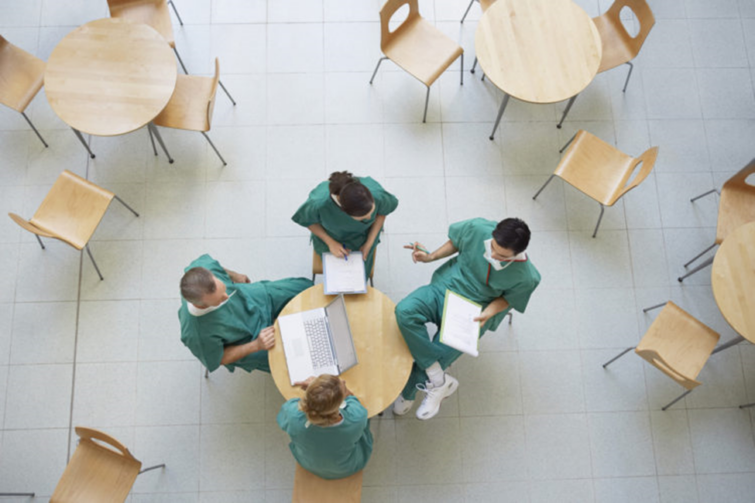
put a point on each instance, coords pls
(70, 212)
(190, 108)
(619, 47)
(677, 344)
(154, 13)
(309, 488)
(416, 46)
(736, 207)
(317, 266)
(21, 77)
(97, 473)
(601, 171)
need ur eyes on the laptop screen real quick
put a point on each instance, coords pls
(339, 327)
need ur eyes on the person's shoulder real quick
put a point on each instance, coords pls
(205, 261)
(354, 409)
(474, 225)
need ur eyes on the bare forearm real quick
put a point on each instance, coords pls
(235, 353)
(446, 250)
(377, 225)
(498, 305)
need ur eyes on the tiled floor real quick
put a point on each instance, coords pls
(536, 418)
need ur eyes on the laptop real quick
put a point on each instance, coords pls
(318, 341)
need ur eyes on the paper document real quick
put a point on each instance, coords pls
(458, 328)
(344, 276)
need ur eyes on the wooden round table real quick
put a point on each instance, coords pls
(539, 51)
(384, 359)
(110, 77)
(733, 280)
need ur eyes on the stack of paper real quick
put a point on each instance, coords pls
(344, 276)
(458, 328)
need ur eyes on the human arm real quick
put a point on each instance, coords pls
(335, 247)
(446, 250)
(377, 225)
(264, 341)
(237, 277)
(498, 305)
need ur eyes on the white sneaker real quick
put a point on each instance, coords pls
(401, 406)
(434, 395)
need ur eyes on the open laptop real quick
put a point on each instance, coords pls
(318, 341)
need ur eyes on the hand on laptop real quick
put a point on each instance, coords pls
(266, 338)
(305, 384)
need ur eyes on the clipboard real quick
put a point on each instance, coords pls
(343, 276)
(457, 329)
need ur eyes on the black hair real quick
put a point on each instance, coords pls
(512, 234)
(355, 199)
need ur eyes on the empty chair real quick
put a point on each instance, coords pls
(154, 13)
(101, 470)
(317, 266)
(190, 107)
(21, 77)
(416, 46)
(601, 171)
(619, 47)
(677, 344)
(736, 207)
(309, 488)
(70, 212)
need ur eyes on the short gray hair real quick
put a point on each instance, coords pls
(196, 283)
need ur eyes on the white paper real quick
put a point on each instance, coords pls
(344, 276)
(458, 328)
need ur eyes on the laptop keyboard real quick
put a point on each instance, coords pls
(319, 342)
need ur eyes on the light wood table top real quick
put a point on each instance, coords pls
(733, 280)
(539, 51)
(384, 359)
(110, 76)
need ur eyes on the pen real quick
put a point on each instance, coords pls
(419, 248)
(345, 257)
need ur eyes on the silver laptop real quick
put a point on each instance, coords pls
(318, 341)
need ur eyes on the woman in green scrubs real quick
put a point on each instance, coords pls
(329, 429)
(346, 213)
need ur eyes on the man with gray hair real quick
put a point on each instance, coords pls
(226, 319)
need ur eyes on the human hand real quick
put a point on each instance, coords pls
(365, 249)
(348, 392)
(485, 315)
(238, 277)
(266, 338)
(338, 250)
(419, 252)
(305, 384)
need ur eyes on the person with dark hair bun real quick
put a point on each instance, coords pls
(491, 269)
(346, 213)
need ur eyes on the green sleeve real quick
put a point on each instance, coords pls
(285, 413)
(519, 296)
(385, 202)
(354, 410)
(309, 212)
(211, 265)
(459, 232)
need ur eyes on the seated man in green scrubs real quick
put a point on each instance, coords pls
(226, 319)
(490, 269)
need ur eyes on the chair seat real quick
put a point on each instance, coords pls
(21, 76)
(309, 488)
(151, 12)
(616, 51)
(422, 50)
(595, 168)
(187, 108)
(737, 204)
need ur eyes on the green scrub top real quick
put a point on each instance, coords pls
(320, 208)
(331, 452)
(470, 275)
(248, 310)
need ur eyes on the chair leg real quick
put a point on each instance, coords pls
(631, 67)
(726, 345)
(31, 495)
(462, 69)
(627, 350)
(40, 241)
(482, 79)
(467, 12)
(566, 111)
(214, 148)
(206, 373)
(700, 255)
(654, 307)
(81, 139)
(89, 252)
(427, 101)
(152, 468)
(747, 406)
(474, 65)
(376, 68)
(126, 205)
(511, 317)
(541, 188)
(155, 132)
(672, 402)
(313, 277)
(35, 129)
(602, 209)
(226, 92)
(500, 113)
(711, 191)
(372, 283)
(178, 56)
(152, 140)
(693, 271)
(170, 2)
(567, 144)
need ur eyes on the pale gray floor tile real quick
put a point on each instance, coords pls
(551, 382)
(239, 11)
(164, 263)
(730, 488)
(593, 103)
(558, 447)
(747, 353)
(344, 10)
(164, 498)
(233, 457)
(547, 212)
(564, 491)
(3, 390)
(607, 318)
(246, 158)
(676, 190)
(120, 159)
(381, 469)
(191, 155)
(175, 211)
(641, 207)
(43, 333)
(105, 395)
(349, 101)
(280, 464)
(118, 223)
(632, 136)
(728, 141)
(413, 150)
(475, 101)
(489, 385)
(15, 145)
(358, 148)
(106, 331)
(468, 151)
(723, 382)
(6, 324)
(550, 322)
(621, 444)
(279, 208)
(50, 385)
(404, 97)
(235, 497)
(649, 266)
(629, 104)
(600, 262)
(429, 452)
(671, 94)
(682, 245)
(722, 440)
(296, 11)
(283, 258)
(725, 43)
(159, 331)
(703, 9)
(620, 386)
(178, 448)
(225, 41)
(726, 93)
(33, 460)
(681, 489)
(294, 48)
(406, 275)
(24, 14)
(529, 148)
(353, 47)
(47, 275)
(250, 94)
(167, 393)
(120, 263)
(237, 397)
(235, 209)
(627, 490)
(295, 98)
(583, 212)
(476, 196)
(673, 448)
(76, 13)
(307, 160)
(418, 211)
(682, 146)
(550, 254)
(194, 44)
(747, 8)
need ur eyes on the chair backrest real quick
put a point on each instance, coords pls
(648, 162)
(213, 92)
(737, 205)
(309, 488)
(387, 12)
(644, 15)
(21, 76)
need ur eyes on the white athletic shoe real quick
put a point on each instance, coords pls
(401, 406)
(434, 395)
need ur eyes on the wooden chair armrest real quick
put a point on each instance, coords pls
(30, 226)
(648, 162)
(89, 434)
(658, 361)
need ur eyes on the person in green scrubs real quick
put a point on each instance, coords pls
(491, 269)
(226, 319)
(329, 429)
(346, 214)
